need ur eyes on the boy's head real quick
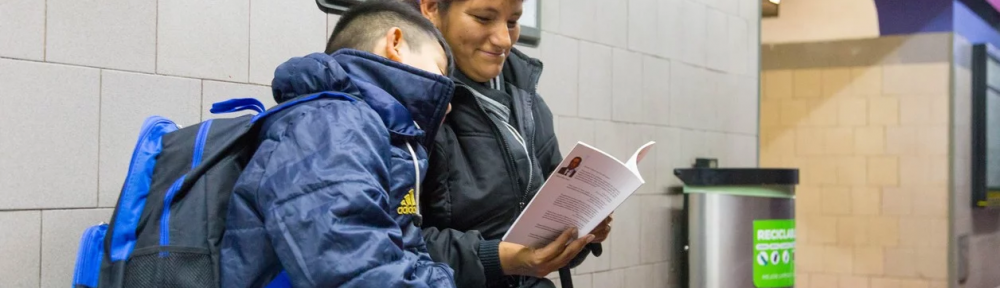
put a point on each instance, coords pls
(393, 30)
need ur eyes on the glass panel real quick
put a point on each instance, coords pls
(993, 137)
(993, 73)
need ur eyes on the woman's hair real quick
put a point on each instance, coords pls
(442, 4)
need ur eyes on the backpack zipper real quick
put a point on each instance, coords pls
(88, 262)
(168, 199)
(120, 244)
(142, 135)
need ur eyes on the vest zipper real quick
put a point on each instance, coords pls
(528, 141)
(531, 168)
(511, 162)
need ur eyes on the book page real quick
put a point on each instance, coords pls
(585, 188)
(633, 163)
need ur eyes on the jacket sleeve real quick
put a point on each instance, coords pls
(476, 261)
(324, 202)
(549, 157)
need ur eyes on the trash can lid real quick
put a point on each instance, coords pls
(737, 176)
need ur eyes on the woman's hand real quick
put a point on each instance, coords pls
(602, 230)
(518, 259)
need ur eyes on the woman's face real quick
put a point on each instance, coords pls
(480, 33)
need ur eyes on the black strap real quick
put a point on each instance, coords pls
(565, 278)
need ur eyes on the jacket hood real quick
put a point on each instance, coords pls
(399, 94)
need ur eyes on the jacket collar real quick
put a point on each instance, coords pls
(399, 94)
(526, 70)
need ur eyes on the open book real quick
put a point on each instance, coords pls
(586, 187)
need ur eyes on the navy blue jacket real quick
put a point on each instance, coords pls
(331, 194)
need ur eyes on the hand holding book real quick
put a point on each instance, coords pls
(583, 192)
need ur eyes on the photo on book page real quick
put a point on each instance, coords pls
(587, 186)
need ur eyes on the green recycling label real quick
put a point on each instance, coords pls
(774, 253)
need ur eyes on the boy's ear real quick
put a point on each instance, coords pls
(394, 43)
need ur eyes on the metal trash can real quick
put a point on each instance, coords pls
(741, 227)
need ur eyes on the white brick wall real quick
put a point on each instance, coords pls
(626, 93)
(560, 79)
(78, 77)
(612, 29)
(204, 39)
(49, 127)
(22, 30)
(21, 245)
(595, 81)
(693, 27)
(624, 250)
(118, 34)
(657, 80)
(717, 40)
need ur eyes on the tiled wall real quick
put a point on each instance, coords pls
(78, 77)
(866, 121)
(821, 20)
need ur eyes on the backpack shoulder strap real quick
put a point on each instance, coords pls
(247, 129)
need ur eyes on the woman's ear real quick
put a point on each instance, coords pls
(432, 11)
(394, 43)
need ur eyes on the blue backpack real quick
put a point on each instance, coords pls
(167, 228)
